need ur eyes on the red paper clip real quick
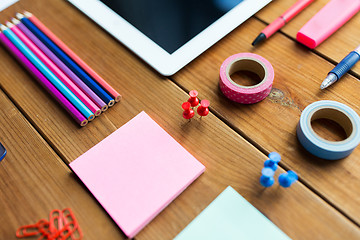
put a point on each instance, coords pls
(62, 225)
(41, 227)
(27, 231)
(56, 221)
(70, 220)
(44, 228)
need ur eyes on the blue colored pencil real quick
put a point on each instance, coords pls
(49, 75)
(67, 60)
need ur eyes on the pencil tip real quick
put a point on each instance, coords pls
(9, 24)
(261, 37)
(27, 14)
(15, 21)
(19, 15)
(2, 27)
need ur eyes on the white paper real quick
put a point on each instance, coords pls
(6, 3)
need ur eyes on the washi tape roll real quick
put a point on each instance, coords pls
(246, 62)
(341, 114)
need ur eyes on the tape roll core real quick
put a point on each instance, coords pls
(336, 115)
(341, 114)
(247, 62)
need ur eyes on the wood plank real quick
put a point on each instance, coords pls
(336, 47)
(229, 159)
(34, 181)
(298, 73)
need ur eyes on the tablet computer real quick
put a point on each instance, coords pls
(168, 34)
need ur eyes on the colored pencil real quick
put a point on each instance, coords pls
(79, 118)
(67, 60)
(100, 103)
(44, 70)
(52, 67)
(75, 57)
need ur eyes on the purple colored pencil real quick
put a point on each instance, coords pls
(95, 98)
(79, 118)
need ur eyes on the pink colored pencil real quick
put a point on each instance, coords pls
(75, 57)
(56, 70)
(79, 118)
(92, 95)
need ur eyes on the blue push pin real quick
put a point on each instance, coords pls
(272, 162)
(287, 179)
(2, 151)
(267, 178)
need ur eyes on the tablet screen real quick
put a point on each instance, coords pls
(171, 23)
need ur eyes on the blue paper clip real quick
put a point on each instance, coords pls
(2, 151)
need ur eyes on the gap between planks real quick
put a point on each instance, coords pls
(266, 153)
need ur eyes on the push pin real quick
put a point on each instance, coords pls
(272, 162)
(287, 179)
(2, 151)
(188, 112)
(267, 178)
(203, 109)
(193, 100)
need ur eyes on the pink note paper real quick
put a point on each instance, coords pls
(136, 172)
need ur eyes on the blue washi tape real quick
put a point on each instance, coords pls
(338, 112)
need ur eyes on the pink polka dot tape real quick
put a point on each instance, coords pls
(246, 62)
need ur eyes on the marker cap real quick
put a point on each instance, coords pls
(329, 19)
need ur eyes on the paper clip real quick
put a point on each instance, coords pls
(69, 219)
(27, 231)
(55, 221)
(62, 225)
(44, 228)
(68, 216)
(41, 227)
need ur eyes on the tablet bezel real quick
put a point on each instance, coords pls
(165, 63)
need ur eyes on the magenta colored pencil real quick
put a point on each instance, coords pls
(100, 103)
(90, 107)
(79, 118)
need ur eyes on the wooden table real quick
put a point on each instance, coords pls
(232, 141)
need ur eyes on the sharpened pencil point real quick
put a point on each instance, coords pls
(9, 24)
(261, 37)
(19, 16)
(15, 21)
(3, 27)
(27, 14)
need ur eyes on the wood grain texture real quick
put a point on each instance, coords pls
(336, 47)
(298, 74)
(34, 181)
(229, 159)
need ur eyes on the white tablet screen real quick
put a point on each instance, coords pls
(171, 23)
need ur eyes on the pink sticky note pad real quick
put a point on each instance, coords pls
(136, 172)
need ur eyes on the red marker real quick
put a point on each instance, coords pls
(282, 20)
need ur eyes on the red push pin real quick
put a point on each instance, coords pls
(188, 112)
(203, 109)
(193, 100)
